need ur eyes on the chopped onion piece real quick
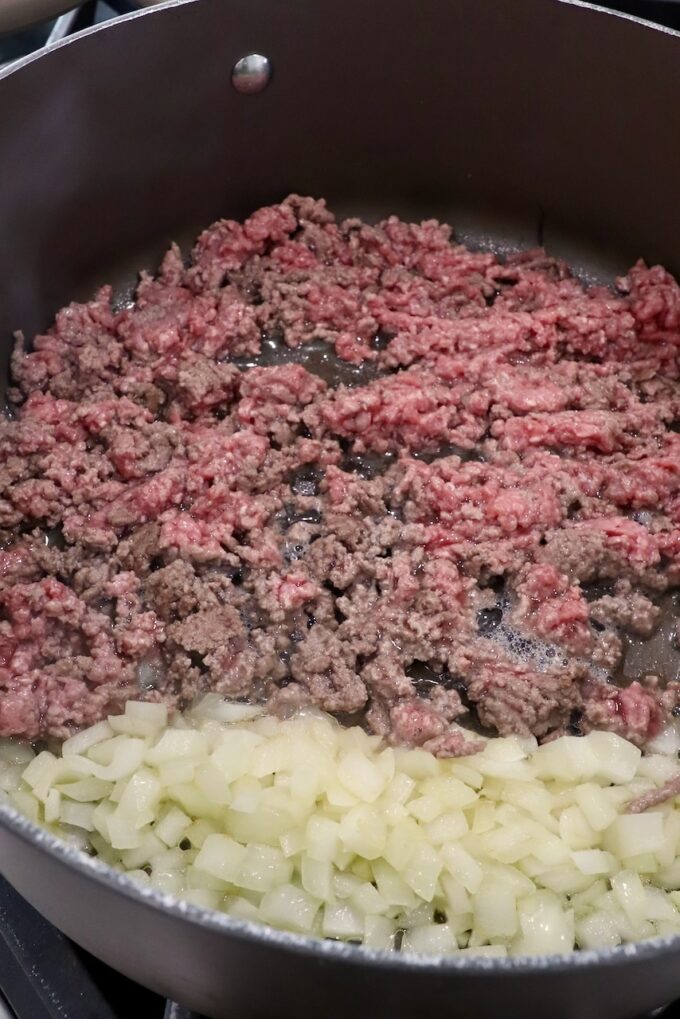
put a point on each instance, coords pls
(323, 830)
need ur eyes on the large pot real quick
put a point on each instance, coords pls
(533, 120)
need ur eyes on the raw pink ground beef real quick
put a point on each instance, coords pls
(334, 463)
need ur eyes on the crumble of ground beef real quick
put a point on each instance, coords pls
(513, 698)
(552, 608)
(627, 608)
(318, 462)
(668, 791)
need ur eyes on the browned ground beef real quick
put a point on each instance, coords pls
(318, 465)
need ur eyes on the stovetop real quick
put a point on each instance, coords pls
(43, 975)
(93, 12)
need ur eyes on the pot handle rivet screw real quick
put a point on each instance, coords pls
(251, 74)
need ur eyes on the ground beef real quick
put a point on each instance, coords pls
(62, 664)
(552, 608)
(512, 697)
(353, 466)
(669, 790)
(635, 712)
(627, 608)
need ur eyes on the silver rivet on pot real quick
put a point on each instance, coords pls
(251, 74)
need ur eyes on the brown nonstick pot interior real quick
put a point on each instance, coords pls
(533, 122)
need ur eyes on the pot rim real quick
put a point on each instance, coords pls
(151, 8)
(350, 955)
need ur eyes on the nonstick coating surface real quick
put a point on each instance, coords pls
(536, 121)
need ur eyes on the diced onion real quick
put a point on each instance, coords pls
(322, 830)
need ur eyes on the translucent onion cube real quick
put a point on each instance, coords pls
(597, 930)
(140, 798)
(463, 866)
(78, 814)
(40, 773)
(176, 743)
(222, 857)
(495, 911)
(82, 741)
(172, 826)
(263, 868)
(289, 907)
(594, 861)
(633, 834)
(361, 776)
(378, 932)
(596, 805)
(545, 926)
(430, 939)
(342, 920)
(317, 878)
(422, 871)
(630, 894)
(617, 759)
(363, 831)
(127, 756)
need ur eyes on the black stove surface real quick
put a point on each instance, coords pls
(43, 975)
(664, 12)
